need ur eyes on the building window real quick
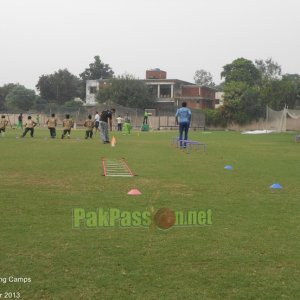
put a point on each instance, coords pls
(153, 90)
(93, 89)
(165, 91)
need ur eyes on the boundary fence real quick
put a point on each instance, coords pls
(158, 120)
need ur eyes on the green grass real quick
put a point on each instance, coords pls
(251, 251)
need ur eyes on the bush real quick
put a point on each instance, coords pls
(215, 117)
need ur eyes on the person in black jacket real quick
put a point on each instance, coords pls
(105, 121)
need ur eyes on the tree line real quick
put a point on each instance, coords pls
(248, 88)
(55, 91)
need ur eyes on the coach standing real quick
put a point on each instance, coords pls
(184, 114)
(105, 120)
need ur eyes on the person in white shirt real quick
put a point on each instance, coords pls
(97, 121)
(120, 123)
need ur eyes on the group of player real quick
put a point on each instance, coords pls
(101, 123)
(29, 126)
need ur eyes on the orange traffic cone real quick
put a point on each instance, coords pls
(113, 141)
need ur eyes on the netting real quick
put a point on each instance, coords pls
(282, 120)
(159, 119)
(276, 120)
(293, 113)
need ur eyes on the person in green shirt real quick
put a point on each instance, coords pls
(145, 121)
(20, 121)
(127, 124)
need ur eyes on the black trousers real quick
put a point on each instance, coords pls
(52, 132)
(65, 132)
(28, 129)
(89, 134)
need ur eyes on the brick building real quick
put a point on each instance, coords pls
(170, 92)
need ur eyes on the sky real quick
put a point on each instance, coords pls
(39, 37)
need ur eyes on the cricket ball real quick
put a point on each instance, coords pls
(164, 218)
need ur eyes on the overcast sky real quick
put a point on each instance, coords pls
(178, 36)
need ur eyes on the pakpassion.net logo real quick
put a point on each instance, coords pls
(163, 218)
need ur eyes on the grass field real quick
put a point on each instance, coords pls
(250, 251)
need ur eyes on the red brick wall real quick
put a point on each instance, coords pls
(194, 104)
(196, 91)
(207, 93)
(154, 74)
(200, 104)
(190, 91)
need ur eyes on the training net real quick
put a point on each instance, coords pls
(276, 120)
(282, 120)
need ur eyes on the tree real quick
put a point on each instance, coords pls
(293, 77)
(59, 87)
(204, 78)
(242, 100)
(252, 104)
(127, 91)
(242, 103)
(290, 86)
(220, 87)
(72, 105)
(278, 93)
(4, 90)
(269, 69)
(233, 92)
(2, 101)
(41, 105)
(242, 70)
(20, 98)
(97, 70)
(215, 117)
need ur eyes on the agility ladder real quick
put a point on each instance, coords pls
(116, 168)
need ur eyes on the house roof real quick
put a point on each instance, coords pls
(168, 81)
